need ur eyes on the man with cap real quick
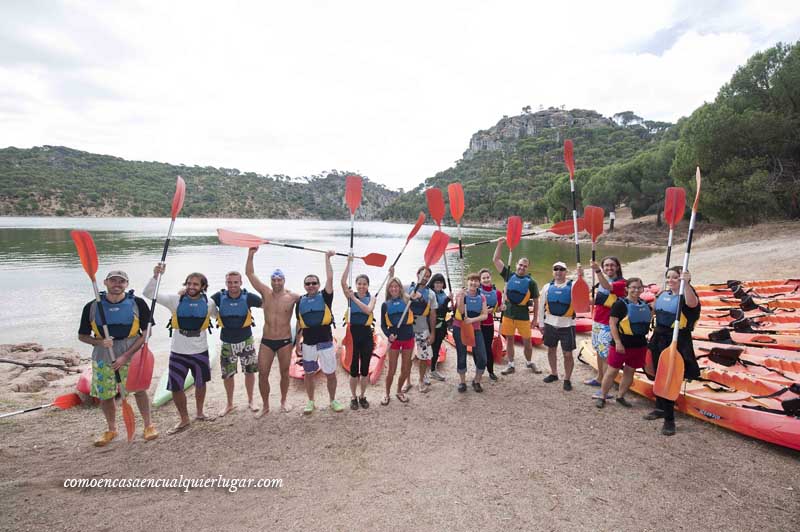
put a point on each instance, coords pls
(276, 338)
(557, 320)
(126, 317)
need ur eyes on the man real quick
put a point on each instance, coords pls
(276, 338)
(558, 322)
(191, 317)
(126, 317)
(521, 290)
(235, 322)
(423, 306)
(314, 335)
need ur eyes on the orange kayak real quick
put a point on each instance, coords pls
(735, 359)
(296, 370)
(749, 284)
(777, 341)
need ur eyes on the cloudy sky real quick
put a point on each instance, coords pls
(391, 90)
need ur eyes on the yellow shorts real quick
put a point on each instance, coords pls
(508, 327)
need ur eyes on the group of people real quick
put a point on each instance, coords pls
(413, 318)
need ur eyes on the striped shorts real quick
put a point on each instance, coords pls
(180, 365)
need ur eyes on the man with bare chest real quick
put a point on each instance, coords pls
(277, 336)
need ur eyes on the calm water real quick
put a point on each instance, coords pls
(44, 286)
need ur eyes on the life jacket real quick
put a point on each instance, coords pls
(442, 300)
(491, 298)
(666, 308)
(356, 316)
(421, 306)
(234, 312)
(559, 300)
(603, 297)
(191, 314)
(394, 311)
(122, 318)
(518, 289)
(637, 322)
(313, 312)
(472, 304)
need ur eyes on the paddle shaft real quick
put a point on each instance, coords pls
(408, 305)
(446, 268)
(26, 410)
(106, 334)
(593, 260)
(271, 243)
(392, 266)
(575, 220)
(669, 253)
(682, 289)
(158, 283)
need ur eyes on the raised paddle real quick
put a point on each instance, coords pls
(433, 252)
(669, 373)
(436, 208)
(140, 370)
(88, 255)
(455, 192)
(513, 236)
(352, 197)
(580, 290)
(674, 207)
(412, 234)
(62, 402)
(561, 228)
(244, 240)
(594, 226)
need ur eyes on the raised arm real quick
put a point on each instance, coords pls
(250, 271)
(601, 277)
(498, 262)
(346, 288)
(689, 293)
(329, 271)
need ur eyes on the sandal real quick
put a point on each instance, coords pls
(592, 382)
(406, 388)
(385, 400)
(177, 429)
(205, 417)
(402, 397)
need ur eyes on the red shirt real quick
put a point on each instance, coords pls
(602, 309)
(489, 321)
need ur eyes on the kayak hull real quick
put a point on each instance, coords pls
(163, 396)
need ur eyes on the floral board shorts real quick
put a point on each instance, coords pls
(104, 382)
(244, 352)
(423, 349)
(601, 339)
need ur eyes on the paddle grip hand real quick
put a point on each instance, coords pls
(159, 269)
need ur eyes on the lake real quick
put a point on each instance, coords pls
(44, 286)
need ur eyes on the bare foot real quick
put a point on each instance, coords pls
(227, 410)
(180, 427)
(264, 411)
(285, 408)
(204, 417)
(406, 387)
(253, 408)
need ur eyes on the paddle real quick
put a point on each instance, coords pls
(674, 206)
(61, 402)
(433, 252)
(140, 370)
(561, 228)
(436, 208)
(412, 234)
(594, 226)
(669, 374)
(244, 240)
(580, 290)
(352, 196)
(88, 255)
(455, 192)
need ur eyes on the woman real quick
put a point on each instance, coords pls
(359, 318)
(611, 286)
(494, 298)
(666, 307)
(630, 323)
(400, 335)
(424, 306)
(438, 285)
(471, 310)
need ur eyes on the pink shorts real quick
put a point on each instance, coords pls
(633, 357)
(402, 345)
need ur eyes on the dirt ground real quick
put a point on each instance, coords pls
(522, 456)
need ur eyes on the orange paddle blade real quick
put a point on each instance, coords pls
(698, 180)
(86, 251)
(347, 346)
(140, 370)
(352, 192)
(456, 194)
(593, 219)
(415, 229)
(436, 247)
(497, 349)
(580, 296)
(435, 204)
(374, 259)
(565, 227)
(177, 199)
(67, 401)
(569, 158)
(232, 238)
(674, 205)
(513, 231)
(669, 374)
(467, 335)
(128, 419)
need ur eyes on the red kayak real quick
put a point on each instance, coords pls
(777, 341)
(378, 358)
(296, 370)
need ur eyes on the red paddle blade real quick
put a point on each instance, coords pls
(347, 348)
(593, 219)
(456, 194)
(352, 192)
(180, 195)
(569, 158)
(436, 247)
(513, 231)
(415, 229)
(128, 419)
(140, 370)
(580, 296)
(674, 205)
(565, 227)
(669, 373)
(698, 180)
(86, 251)
(435, 204)
(467, 335)
(232, 238)
(497, 349)
(67, 401)
(374, 259)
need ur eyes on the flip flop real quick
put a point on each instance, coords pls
(177, 429)
(591, 382)
(406, 388)
(402, 397)
(205, 417)
(385, 400)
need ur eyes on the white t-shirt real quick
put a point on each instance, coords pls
(181, 344)
(555, 321)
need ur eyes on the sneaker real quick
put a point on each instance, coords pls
(477, 387)
(363, 402)
(624, 402)
(669, 427)
(591, 382)
(462, 387)
(336, 406)
(508, 371)
(106, 438)
(353, 404)
(150, 432)
(426, 380)
(655, 414)
(597, 395)
(532, 366)
(600, 402)
(493, 377)
(550, 378)
(567, 385)
(309, 407)
(436, 375)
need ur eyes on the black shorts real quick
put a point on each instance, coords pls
(553, 335)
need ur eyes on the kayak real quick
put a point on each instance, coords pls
(163, 396)
(731, 401)
(84, 384)
(778, 341)
(749, 284)
(378, 359)
(296, 370)
(762, 325)
(735, 359)
(779, 290)
(536, 337)
(583, 325)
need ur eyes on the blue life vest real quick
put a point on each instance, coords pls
(472, 304)
(234, 312)
(356, 316)
(491, 298)
(394, 311)
(421, 306)
(603, 297)
(313, 312)
(637, 322)
(518, 289)
(191, 314)
(559, 300)
(666, 308)
(122, 318)
(442, 300)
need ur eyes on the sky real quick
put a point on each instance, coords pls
(392, 90)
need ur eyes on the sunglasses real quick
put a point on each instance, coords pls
(311, 283)
(559, 269)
